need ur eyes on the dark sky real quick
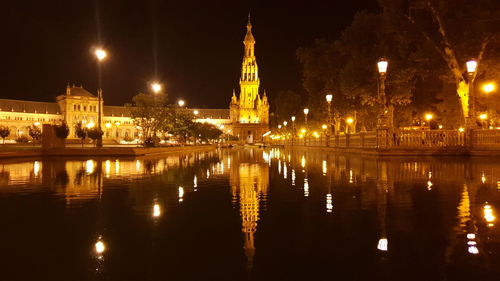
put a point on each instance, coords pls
(198, 44)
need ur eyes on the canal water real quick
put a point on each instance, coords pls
(250, 214)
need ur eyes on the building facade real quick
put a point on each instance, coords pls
(76, 105)
(249, 113)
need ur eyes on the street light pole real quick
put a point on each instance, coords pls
(306, 111)
(471, 118)
(100, 55)
(293, 129)
(329, 101)
(382, 70)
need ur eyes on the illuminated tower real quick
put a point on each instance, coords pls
(249, 113)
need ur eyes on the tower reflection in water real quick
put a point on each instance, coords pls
(249, 179)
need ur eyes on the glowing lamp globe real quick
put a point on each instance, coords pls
(471, 66)
(382, 65)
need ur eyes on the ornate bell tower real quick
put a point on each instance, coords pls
(249, 113)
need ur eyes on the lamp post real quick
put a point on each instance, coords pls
(100, 55)
(306, 111)
(181, 103)
(382, 65)
(471, 116)
(293, 129)
(429, 117)
(156, 87)
(329, 98)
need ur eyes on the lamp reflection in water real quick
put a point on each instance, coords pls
(488, 214)
(36, 168)
(181, 193)
(89, 166)
(156, 210)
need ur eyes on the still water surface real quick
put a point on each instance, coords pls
(250, 214)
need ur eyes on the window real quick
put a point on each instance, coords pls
(84, 108)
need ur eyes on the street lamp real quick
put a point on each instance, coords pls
(382, 66)
(285, 123)
(489, 87)
(181, 103)
(428, 117)
(471, 116)
(306, 111)
(156, 87)
(329, 98)
(100, 54)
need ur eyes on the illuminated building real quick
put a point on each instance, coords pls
(250, 113)
(79, 105)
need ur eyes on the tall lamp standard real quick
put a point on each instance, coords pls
(471, 117)
(293, 129)
(329, 101)
(306, 111)
(382, 65)
(100, 55)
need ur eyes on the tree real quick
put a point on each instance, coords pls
(149, 112)
(286, 105)
(179, 122)
(62, 130)
(35, 133)
(81, 131)
(4, 132)
(95, 133)
(206, 131)
(454, 31)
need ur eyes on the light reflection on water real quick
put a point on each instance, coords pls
(433, 217)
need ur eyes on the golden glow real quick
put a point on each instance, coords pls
(303, 131)
(383, 244)
(100, 247)
(108, 125)
(429, 185)
(156, 87)
(349, 120)
(489, 87)
(293, 118)
(471, 66)
(89, 166)
(306, 187)
(156, 210)
(181, 193)
(181, 103)
(37, 123)
(306, 111)
(382, 65)
(195, 112)
(324, 168)
(303, 162)
(90, 125)
(329, 98)
(107, 167)
(100, 54)
(461, 130)
(315, 134)
(117, 123)
(488, 214)
(483, 178)
(483, 116)
(329, 203)
(429, 116)
(36, 168)
(285, 123)
(324, 126)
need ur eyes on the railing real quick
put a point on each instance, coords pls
(486, 138)
(404, 139)
(431, 138)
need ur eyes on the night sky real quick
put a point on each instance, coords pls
(194, 47)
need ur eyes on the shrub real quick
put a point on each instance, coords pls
(22, 139)
(62, 131)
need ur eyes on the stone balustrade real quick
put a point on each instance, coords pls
(404, 140)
